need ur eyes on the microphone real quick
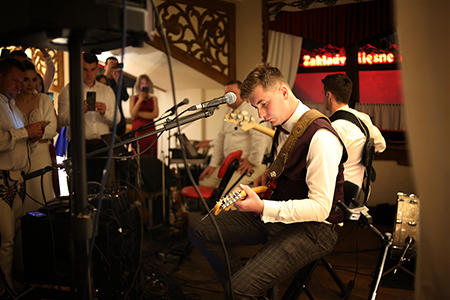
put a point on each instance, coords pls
(228, 98)
(172, 110)
(37, 173)
(66, 164)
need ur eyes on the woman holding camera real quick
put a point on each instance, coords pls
(144, 109)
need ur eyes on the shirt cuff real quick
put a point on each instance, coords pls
(270, 211)
(21, 133)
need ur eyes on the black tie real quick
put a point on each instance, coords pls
(273, 151)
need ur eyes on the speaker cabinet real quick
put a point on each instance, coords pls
(115, 258)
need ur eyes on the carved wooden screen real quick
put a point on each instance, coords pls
(58, 61)
(38, 60)
(201, 34)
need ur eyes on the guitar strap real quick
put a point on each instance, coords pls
(368, 149)
(279, 164)
(299, 128)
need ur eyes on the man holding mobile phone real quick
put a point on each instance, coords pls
(112, 72)
(99, 113)
(17, 141)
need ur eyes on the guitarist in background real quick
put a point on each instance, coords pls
(232, 138)
(294, 222)
(337, 89)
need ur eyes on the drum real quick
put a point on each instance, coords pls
(406, 226)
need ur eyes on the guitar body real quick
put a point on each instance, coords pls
(228, 201)
(270, 188)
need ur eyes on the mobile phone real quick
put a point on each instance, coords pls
(90, 99)
(118, 66)
(145, 89)
(45, 124)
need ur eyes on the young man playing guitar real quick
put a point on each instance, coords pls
(294, 222)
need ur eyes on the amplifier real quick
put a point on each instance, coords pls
(115, 257)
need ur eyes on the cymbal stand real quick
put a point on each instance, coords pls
(403, 259)
(359, 212)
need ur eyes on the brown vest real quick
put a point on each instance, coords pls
(291, 182)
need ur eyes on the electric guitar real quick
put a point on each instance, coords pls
(228, 200)
(246, 122)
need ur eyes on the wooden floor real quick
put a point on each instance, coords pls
(164, 276)
(194, 279)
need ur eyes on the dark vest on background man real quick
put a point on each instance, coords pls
(292, 182)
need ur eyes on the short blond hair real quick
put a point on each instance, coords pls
(265, 75)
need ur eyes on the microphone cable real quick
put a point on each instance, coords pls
(110, 152)
(183, 151)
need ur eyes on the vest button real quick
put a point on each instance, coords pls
(273, 174)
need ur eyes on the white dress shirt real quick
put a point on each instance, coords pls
(232, 138)
(96, 125)
(354, 140)
(13, 137)
(322, 167)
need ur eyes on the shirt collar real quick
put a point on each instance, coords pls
(299, 111)
(345, 107)
(3, 98)
(90, 87)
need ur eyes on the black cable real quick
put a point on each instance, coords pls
(183, 151)
(111, 148)
(141, 242)
(357, 253)
(32, 199)
(327, 289)
(52, 237)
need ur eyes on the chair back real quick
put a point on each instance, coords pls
(227, 161)
(226, 171)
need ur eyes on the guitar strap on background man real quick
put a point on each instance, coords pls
(368, 151)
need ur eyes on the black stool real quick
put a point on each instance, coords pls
(303, 276)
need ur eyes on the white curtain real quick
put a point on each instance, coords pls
(384, 116)
(320, 106)
(284, 53)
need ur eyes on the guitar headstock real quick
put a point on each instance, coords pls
(241, 119)
(228, 201)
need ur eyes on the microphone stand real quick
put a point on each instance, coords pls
(82, 230)
(67, 164)
(359, 212)
(169, 125)
(148, 125)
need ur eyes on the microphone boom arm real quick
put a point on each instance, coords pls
(171, 124)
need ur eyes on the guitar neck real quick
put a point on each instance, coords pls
(228, 201)
(265, 130)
